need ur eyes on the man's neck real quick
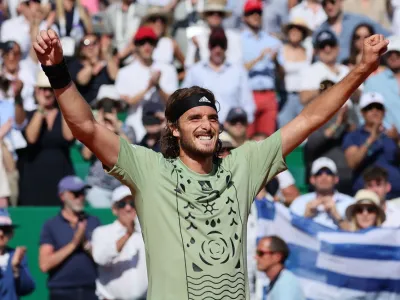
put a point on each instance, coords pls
(199, 165)
(146, 62)
(332, 66)
(216, 67)
(125, 5)
(274, 271)
(69, 215)
(325, 193)
(334, 20)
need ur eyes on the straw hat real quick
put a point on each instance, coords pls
(299, 23)
(366, 197)
(156, 11)
(42, 81)
(216, 5)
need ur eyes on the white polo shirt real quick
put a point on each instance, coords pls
(392, 212)
(134, 78)
(122, 275)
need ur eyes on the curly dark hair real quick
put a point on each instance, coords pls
(169, 143)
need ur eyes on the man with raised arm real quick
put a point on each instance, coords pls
(192, 206)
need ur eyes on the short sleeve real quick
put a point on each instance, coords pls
(46, 236)
(348, 141)
(264, 158)
(135, 165)
(285, 179)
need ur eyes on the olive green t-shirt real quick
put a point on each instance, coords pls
(194, 226)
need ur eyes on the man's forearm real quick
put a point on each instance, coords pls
(55, 259)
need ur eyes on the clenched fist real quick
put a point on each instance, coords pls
(48, 48)
(374, 47)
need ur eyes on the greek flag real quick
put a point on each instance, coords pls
(333, 264)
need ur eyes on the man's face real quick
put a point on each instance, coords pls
(217, 55)
(214, 18)
(75, 201)
(265, 257)
(324, 181)
(236, 128)
(6, 233)
(332, 8)
(124, 209)
(45, 97)
(90, 46)
(145, 48)
(381, 187)
(12, 58)
(253, 18)
(393, 60)
(373, 114)
(198, 131)
(328, 53)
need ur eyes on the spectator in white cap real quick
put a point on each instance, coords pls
(366, 212)
(119, 251)
(386, 83)
(371, 144)
(107, 105)
(325, 205)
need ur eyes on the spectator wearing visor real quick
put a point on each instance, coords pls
(153, 122)
(15, 280)
(107, 105)
(118, 250)
(325, 205)
(371, 144)
(342, 24)
(89, 71)
(260, 57)
(366, 212)
(326, 48)
(45, 160)
(236, 125)
(327, 141)
(154, 81)
(216, 72)
(65, 249)
(213, 14)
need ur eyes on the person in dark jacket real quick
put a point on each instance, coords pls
(15, 278)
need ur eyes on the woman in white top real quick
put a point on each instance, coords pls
(294, 59)
(167, 49)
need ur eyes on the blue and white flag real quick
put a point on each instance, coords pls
(332, 264)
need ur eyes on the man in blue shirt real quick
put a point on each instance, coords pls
(65, 251)
(344, 24)
(259, 53)
(370, 145)
(387, 83)
(271, 255)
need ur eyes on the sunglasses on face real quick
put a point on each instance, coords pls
(88, 42)
(323, 45)
(372, 106)
(261, 253)
(123, 204)
(215, 13)
(45, 89)
(369, 209)
(146, 41)
(221, 44)
(324, 171)
(325, 2)
(252, 12)
(78, 194)
(6, 230)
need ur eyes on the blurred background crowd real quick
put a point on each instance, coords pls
(264, 61)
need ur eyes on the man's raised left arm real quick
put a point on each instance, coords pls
(319, 111)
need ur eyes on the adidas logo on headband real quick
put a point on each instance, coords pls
(204, 99)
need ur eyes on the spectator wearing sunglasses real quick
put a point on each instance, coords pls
(271, 255)
(342, 24)
(119, 251)
(325, 205)
(371, 144)
(153, 81)
(15, 280)
(366, 212)
(216, 72)
(326, 47)
(214, 12)
(65, 248)
(260, 59)
(376, 180)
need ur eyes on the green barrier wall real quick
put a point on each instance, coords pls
(31, 220)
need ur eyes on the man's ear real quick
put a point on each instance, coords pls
(174, 129)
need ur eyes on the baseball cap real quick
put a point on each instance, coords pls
(323, 162)
(394, 43)
(150, 108)
(236, 114)
(71, 184)
(120, 193)
(227, 140)
(252, 5)
(325, 37)
(145, 32)
(218, 38)
(369, 98)
(5, 219)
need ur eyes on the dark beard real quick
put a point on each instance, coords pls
(193, 152)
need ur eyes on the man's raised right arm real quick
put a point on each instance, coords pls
(76, 111)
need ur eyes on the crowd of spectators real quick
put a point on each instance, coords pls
(264, 60)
